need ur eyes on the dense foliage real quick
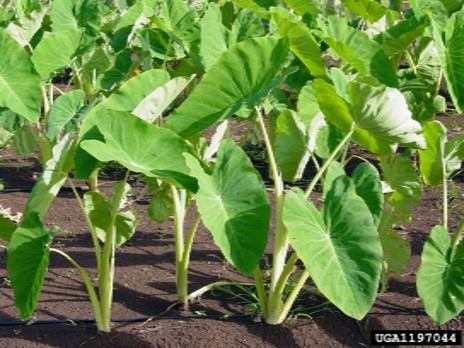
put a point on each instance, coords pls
(141, 82)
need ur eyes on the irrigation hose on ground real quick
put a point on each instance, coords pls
(122, 320)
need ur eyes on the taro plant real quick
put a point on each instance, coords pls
(109, 222)
(439, 280)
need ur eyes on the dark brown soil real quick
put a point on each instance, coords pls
(145, 288)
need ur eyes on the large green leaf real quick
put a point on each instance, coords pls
(141, 147)
(440, 280)
(431, 8)
(340, 248)
(161, 205)
(86, 14)
(65, 113)
(301, 41)
(368, 186)
(396, 250)
(134, 90)
(246, 25)
(55, 51)
(255, 7)
(19, 82)
(62, 15)
(398, 37)
(213, 35)
(338, 112)
(303, 7)
(28, 255)
(399, 173)
(369, 10)
(154, 104)
(52, 178)
(357, 49)
(452, 56)
(26, 27)
(432, 158)
(119, 71)
(240, 219)
(290, 145)
(334, 170)
(383, 112)
(240, 78)
(454, 154)
(24, 140)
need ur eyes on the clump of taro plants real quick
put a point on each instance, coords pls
(151, 78)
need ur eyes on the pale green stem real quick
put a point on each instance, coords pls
(280, 239)
(275, 305)
(188, 244)
(50, 93)
(281, 244)
(206, 288)
(182, 269)
(327, 162)
(93, 232)
(315, 162)
(45, 100)
(458, 235)
(107, 265)
(93, 180)
(445, 199)
(181, 274)
(410, 62)
(440, 76)
(292, 297)
(287, 271)
(261, 291)
(89, 286)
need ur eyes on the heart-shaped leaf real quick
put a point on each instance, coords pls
(240, 219)
(141, 147)
(28, 255)
(240, 77)
(440, 280)
(55, 51)
(19, 82)
(340, 248)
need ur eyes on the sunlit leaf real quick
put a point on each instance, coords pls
(358, 50)
(400, 174)
(369, 10)
(440, 280)
(240, 78)
(154, 104)
(55, 51)
(64, 114)
(213, 36)
(340, 248)
(141, 147)
(240, 219)
(301, 40)
(367, 183)
(452, 56)
(19, 82)
(291, 145)
(28, 255)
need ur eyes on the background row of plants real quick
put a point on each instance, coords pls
(141, 82)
